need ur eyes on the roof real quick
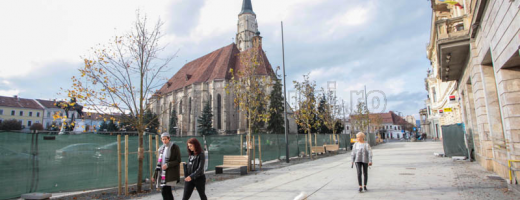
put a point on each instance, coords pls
(386, 118)
(18, 102)
(214, 66)
(247, 7)
(47, 103)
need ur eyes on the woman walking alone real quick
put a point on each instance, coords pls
(362, 157)
(195, 171)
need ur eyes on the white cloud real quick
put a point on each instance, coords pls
(9, 92)
(45, 31)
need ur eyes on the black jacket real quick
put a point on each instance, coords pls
(195, 166)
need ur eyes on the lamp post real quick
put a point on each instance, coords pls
(285, 103)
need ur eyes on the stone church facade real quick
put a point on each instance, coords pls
(205, 79)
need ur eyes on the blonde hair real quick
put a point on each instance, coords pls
(360, 134)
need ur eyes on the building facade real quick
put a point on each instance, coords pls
(205, 80)
(475, 52)
(26, 111)
(389, 125)
(50, 109)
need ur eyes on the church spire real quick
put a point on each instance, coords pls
(247, 7)
(247, 26)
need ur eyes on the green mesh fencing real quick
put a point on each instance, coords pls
(453, 140)
(29, 163)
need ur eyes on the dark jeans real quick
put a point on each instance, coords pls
(360, 165)
(166, 192)
(200, 184)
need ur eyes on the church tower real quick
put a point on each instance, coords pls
(247, 27)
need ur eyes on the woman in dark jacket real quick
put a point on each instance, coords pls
(194, 172)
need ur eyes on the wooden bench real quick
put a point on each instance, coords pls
(233, 162)
(318, 149)
(332, 148)
(182, 169)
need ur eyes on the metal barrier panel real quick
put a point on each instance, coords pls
(453, 140)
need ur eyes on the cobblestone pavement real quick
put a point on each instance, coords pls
(474, 182)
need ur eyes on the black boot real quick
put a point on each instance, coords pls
(365, 187)
(360, 189)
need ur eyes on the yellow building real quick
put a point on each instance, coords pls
(26, 111)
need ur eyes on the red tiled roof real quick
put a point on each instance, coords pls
(398, 119)
(386, 118)
(47, 103)
(215, 65)
(18, 102)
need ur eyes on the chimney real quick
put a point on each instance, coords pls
(16, 97)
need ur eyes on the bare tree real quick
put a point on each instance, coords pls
(119, 76)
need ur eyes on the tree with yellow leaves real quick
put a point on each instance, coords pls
(120, 75)
(250, 91)
(331, 111)
(306, 113)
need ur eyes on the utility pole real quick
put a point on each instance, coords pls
(285, 102)
(368, 115)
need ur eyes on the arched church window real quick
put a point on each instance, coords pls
(219, 112)
(180, 107)
(189, 111)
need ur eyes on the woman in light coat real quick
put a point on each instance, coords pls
(362, 157)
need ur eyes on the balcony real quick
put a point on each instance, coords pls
(453, 47)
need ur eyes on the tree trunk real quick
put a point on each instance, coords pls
(249, 143)
(140, 154)
(310, 142)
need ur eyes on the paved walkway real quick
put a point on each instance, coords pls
(401, 170)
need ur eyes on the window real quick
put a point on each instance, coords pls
(434, 94)
(30, 114)
(180, 107)
(21, 113)
(29, 123)
(48, 113)
(219, 112)
(37, 114)
(1, 112)
(12, 112)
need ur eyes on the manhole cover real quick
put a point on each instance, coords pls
(495, 178)
(413, 168)
(406, 174)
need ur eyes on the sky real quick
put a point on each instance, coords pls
(341, 44)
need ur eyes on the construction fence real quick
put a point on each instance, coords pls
(60, 163)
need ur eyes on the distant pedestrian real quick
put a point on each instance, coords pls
(167, 172)
(423, 136)
(362, 157)
(194, 173)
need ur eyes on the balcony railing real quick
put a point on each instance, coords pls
(452, 28)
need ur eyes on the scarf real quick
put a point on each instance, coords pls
(164, 157)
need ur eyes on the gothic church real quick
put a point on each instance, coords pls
(205, 79)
